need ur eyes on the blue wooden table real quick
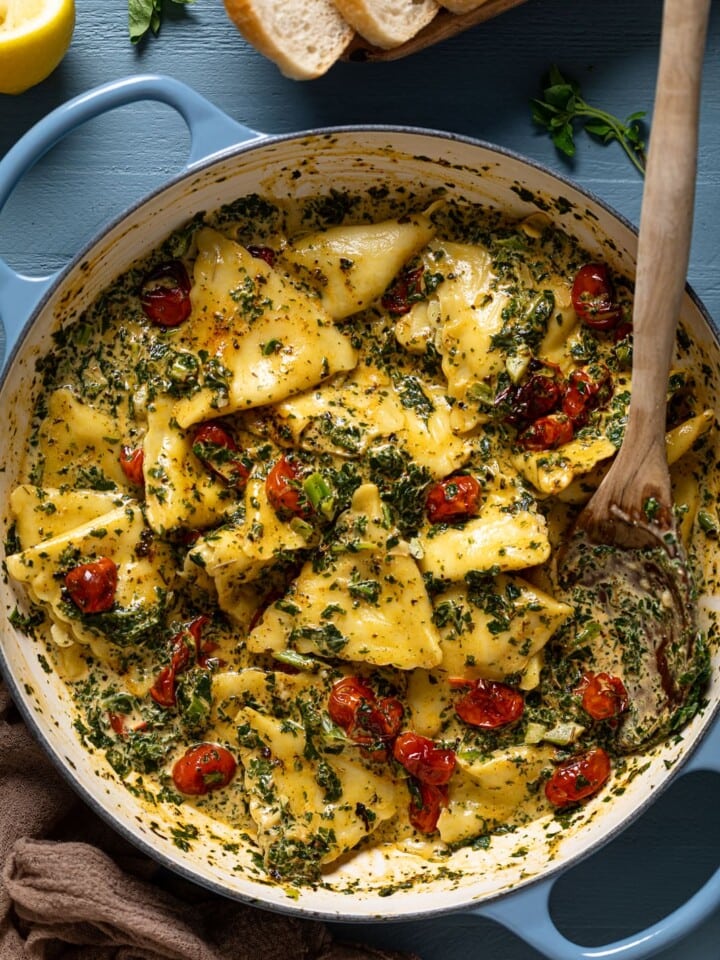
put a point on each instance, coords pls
(478, 84)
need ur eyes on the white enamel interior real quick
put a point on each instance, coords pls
(311, 164)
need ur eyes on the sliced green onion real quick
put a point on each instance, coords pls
(320, 494)
(301, 527)
(564, 734)
(535, 733)
(298, 660)
(589, 631)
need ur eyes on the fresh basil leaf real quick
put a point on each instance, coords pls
(140, 14)
(563, 108)
(564, 140)
(145, 16)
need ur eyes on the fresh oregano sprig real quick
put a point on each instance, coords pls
(563, 106)
(146, 15)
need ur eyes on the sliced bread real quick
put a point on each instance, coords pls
(303, 37)
(387, 23)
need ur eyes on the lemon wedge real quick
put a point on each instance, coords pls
(34, 37)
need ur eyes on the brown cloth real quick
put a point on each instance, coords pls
(73, 889)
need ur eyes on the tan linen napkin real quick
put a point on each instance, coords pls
(73, 889)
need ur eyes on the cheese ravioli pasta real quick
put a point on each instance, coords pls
(290, 515)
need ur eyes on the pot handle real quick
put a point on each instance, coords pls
(526, 912)
(211, 131)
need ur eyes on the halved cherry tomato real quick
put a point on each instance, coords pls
(424, 815)
(423, 760)
(452, 499)
(404, 291)
(603, 695)
(262, 253)
(593, 297)
(165, 294)
(204, 768)
(131, 463)
(214, 446)
(578, 778)
(181, 645)
(547, 433)
(92, 586)
(284, 489)
(370, 722)
(489, 704)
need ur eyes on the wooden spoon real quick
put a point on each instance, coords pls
(625, 565)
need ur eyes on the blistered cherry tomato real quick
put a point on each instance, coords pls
(371, 722)
(586, 389)
(547, 433)
(262, 253)
(578, 778)
(214, 446)
(489, 704)
(603, 696)
(117, 723)
(405, 290)
(284, 489)
(92, 586)
(622, 332)
(204, 768)
(376, 729)
(593, 297)
(165, 294)
(131, 463)
(452, 499)
(181, 645)
(424, 815)
(533, 399)
(346, 698)
(423, 760)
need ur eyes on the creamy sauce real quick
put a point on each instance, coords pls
(357, 355)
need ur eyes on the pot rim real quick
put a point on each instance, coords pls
(465, 903)
(265, 140)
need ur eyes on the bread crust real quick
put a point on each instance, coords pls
(304, 38)
(388, 23)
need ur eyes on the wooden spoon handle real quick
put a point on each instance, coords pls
(640, 470)
(667, 207)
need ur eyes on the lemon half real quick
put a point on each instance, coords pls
(34, 37)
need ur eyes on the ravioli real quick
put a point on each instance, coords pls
(493, 791)
(180, 493)
(366, 603)
(262, 338)
(145, 578)
(351, 266)
(500, 538)
(306, 812)
(81, 444)
(492, 627)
